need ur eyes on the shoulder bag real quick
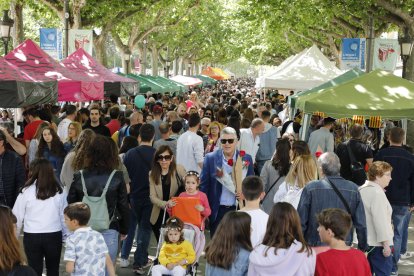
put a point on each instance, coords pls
(340, 196)
(267, 192)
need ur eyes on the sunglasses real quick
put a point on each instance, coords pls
(206, 125)
(224, 141)
(208, 114)
(164, 157)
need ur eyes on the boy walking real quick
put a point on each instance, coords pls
(86, 251)
(252, 190)
(340, 259)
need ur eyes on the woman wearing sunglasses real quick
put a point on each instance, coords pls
(165, 178)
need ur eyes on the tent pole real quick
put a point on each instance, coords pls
(15, 123)
(404, 124)
(305, 127)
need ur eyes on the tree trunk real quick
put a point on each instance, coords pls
(196, 68)
(175, 67)
(181, 66)
(100, 49)
(154, 61)
(77, 6)
(18, 33)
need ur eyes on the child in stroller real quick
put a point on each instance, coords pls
(176, 252)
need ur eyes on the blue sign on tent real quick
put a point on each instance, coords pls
(353, 53)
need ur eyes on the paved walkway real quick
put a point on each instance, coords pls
(406, 267)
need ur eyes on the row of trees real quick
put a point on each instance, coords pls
(195, 32)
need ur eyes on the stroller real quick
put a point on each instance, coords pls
(194, 235)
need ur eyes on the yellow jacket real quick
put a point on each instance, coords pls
(173, 253)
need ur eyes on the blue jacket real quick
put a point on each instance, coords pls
(319, 195)
(267, 145)
(209, 185)
(400, 191)
(238, 268)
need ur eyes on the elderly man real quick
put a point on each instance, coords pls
(331, 191)
(222, 175)
(322, 139)
(250, 137)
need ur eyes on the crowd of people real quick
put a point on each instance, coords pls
(101, 177)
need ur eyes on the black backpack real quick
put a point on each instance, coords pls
(357, 169)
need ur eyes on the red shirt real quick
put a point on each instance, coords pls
(114, 125)
(30, 130)
(342, 263)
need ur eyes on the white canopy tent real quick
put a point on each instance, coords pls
(308, 69)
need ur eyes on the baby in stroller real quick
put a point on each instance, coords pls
(176, 252)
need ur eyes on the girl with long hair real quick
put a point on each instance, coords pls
(228, 251)
(74, 130)
(34, 143)
(284, 250)
(12, 260)
(51, 148)
(75, 159)
(165, 179)
(274, 172)
(39, 207)
(102, 162)
(302, 171)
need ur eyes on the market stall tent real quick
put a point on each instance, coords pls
(378, 93)
(212, 73)
(19, 89)
(206, 80)
(30, 59)
(81, 62)
(298, 100)
(145, 81)
(187, 81)
(308, 70)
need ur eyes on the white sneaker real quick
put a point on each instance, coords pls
(407, 255)
(123, 263)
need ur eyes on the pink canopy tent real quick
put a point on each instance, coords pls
(72, 86)
(187, 81)
(81, 62)
(18, 89)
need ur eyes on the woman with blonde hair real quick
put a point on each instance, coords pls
(302, 171)
(74, 130)
(213, 142)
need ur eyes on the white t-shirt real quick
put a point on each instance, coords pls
(259, 223)
(190, 151)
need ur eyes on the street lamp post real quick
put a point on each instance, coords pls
(189, 69)
(6, 23)
(167, 69)
(144, 59)
(127, 58)
(406, 44)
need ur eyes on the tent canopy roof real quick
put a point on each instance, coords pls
(81, 62)
(297, 100)
(377, 93)
(305, 71)
(187, 81)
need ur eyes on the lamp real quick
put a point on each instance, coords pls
(6, 23)
(406, 46)
(144, 60)
(189, 69)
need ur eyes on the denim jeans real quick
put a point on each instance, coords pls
(111, 238)
(142, 209)
(221, 212)
(132, 232)
(399, 215)
(405, 234)
(379, 264)
(39, 246)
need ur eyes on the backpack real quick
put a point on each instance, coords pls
(357, 169)
(99, 220)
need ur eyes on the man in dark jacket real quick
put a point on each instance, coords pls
(11, 174)
(400, 191)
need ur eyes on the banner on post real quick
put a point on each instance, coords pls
(51, 42)
(353, 53)
(386, 53)
(80, 39)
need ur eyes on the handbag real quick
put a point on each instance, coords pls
(357, 169)
(340, 196)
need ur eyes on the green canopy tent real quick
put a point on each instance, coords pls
(206, 80)
(173, 86)
(378, 93)
(155, 86)
(297, 100)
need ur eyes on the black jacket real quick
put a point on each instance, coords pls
(13, 175)
(116, 196)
